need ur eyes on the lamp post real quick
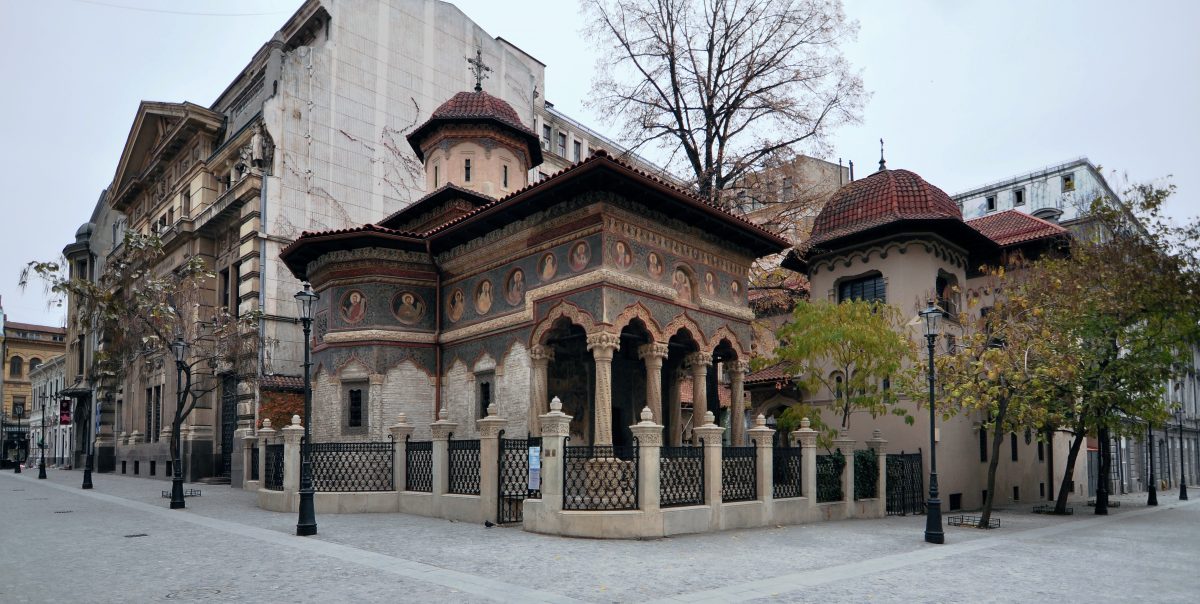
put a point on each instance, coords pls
(1182, 481)
(933, 508)
(42, 441)
(306, 524)
(18, 411)
(179, 349)
(1152, 496)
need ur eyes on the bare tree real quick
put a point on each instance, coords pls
(725, 87)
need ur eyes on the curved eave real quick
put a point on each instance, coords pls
(311, 246)
(950, 229)
(533, 147)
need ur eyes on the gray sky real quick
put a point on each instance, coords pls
(963, 92)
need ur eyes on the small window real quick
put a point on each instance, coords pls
(355, 411)
(546, 131)
(484, 393)
(34, 363)
(1068, 182)
(435, 177)
(1041, 489)
(15, 367)
(1012, 443)
(867, 289)
(951, 343)
(153, 465)
(504, 175)
(991, 203)
(1019, 197)
(577, 150)
(1016, 493)
(467, 170)
(562, 144)
(187, 204)
(955, 501)
(983, 444)
(1041, 451)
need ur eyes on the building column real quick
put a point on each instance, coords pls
(653, 354)
(737, 374)
(674, 409)
(539, 358)
(602, 346)
(699, 362)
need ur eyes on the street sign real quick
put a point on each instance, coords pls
(64, 412)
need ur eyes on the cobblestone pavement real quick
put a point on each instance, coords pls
(120, 543)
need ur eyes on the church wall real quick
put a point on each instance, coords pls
(487, 167)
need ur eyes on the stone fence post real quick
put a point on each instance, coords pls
(249, 442)
(555, 426)
(879, 446)
(845, 444)
(763, 438)
(266, 435)
(441, 429)
(292, 436)
(400, 431)
(649, 437)
(710, 435)
(490, 429)
(806, 437)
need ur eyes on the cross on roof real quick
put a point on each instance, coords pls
(478, 68)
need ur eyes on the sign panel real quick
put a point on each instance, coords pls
(535, 468)
(64, 412)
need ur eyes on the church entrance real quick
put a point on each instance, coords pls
(571, 376)
(629, 382)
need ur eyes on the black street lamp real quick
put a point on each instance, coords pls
(1182, 481)
(42, 441)
(179, 349)
(933, 508)
(1152, 496)
(307, 523)
(18, 411)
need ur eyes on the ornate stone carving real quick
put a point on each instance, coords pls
(653, 355)
(638, 311)
(577, 316)
(647, 433)
(378, 335)
(602, 346)
(682, 321)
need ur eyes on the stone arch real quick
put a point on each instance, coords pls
(724, 333)
(683, 321)
(573, 313)
(638, 311)
(352, 368)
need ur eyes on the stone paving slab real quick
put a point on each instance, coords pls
(228, 544)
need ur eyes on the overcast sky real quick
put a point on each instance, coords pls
(964, 92)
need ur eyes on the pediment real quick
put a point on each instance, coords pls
(158, 128)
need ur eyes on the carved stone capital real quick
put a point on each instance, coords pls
(491, 426)
(739, 368)
(877, 443)
(603, 344)
(698, 361)
(807, 437)
(401, 429)
(760, 433)
(654, 350)
(442, 429)
(539, 353)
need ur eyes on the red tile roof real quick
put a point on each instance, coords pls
(281, 382)
(479, 104)
(724, 392)
(773, 373)
(884, 197)
(32, 327)
(1012, 227)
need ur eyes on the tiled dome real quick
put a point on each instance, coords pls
(882, 198)
(477, 106)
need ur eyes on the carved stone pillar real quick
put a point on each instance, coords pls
(539, 358)
(674, 409)
(737, 375)
(653, 354)
(699, 362)
(602, 346)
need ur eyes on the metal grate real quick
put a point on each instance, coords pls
(739, 473)
(464, 467)
(681, 476)
(274, 468)
(514, 478)
(905, 486)
(351, 467)
(786, 470)
(829, 477)
(418, 466)
(600, 477)
(254, 463)
(866, 474)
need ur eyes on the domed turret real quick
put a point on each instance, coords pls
(881, 199)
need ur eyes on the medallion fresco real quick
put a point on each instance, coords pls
(408, 307)
(353, 307)
(622, 255)
(483, 297)
(654, 265)
(548, 267)
(580, 254)
(456, 303)
(514, 287)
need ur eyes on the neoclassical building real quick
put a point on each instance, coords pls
(601, 285)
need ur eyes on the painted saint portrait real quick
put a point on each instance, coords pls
(654, 264)
(548, 267)
(483, 297)
(408, 307)
(682, 284)
(458, 303)
(353, 306)
(622, 255)
(735, 289)
(580, 255)
(514, 290)
(710, 283)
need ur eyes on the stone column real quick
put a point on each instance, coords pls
(374, 412)
(400, 431)
(845, 444)
(555, 427)
(441, 429)
(806, 437)
(136, 437)
(539, 359)
(266, 435)
(649, 438)
(764, 446)
(291, 455)
(602, 346)
(879, 446)
(653, 354)
(710, 434)
(490, 428)
(737, 374)
(699, 362)
(675, 410)
(249, 441)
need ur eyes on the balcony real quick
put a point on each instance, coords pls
(228, 205)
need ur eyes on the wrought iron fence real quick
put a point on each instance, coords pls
(514, 483)
(274, 468)
(681, 476)
(600, 477)
(786, 472)
(905, 484)
(829, 477)
(418, 466)
(253, 463)
(866, 474)
(464, 467)
(351, 466)
(739, 473)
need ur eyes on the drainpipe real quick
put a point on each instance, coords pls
(437, 333)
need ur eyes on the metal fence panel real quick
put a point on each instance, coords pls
(739, 473)
(600, 477)
(464, 467)
(274, 468)
(254, 463)
(829, 477)
(681, 476)
(418, 466)
(787, 472)
(905, 484)
(351, 466)
(514, 478)
(866, 474)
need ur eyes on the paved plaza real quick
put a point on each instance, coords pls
(120, 543)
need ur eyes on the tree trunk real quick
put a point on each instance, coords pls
(1060, 504)
(993, 463)
(1103, 474)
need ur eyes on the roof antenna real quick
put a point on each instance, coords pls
(882, 164)
(478, 68)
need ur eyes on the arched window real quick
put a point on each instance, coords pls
(15, 367)
(34, 363)
(870, 287)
